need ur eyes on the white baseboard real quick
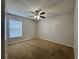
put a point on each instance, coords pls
(39, 38)
(20, 41)
(57, 42)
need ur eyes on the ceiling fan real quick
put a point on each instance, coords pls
(37, 14)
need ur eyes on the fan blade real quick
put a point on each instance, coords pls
(42, 16)
(32, 12)
(37, 11)
(42, 13)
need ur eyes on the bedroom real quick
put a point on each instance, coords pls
(40, 29)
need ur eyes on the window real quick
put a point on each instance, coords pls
(15, 28)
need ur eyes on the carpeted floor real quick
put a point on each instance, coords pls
(39, 49)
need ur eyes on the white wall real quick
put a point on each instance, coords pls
(57, 29)
(28, 28)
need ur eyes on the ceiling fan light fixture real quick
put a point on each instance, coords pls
(38, 14)
(37, 17)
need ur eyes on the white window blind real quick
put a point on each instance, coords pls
(15, 28)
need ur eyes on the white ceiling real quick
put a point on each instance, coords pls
(51, 7)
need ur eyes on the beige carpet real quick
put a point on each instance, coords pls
(39, 49)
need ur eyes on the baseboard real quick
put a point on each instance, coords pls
(20, 41)
(57, 42)
(39, 38)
